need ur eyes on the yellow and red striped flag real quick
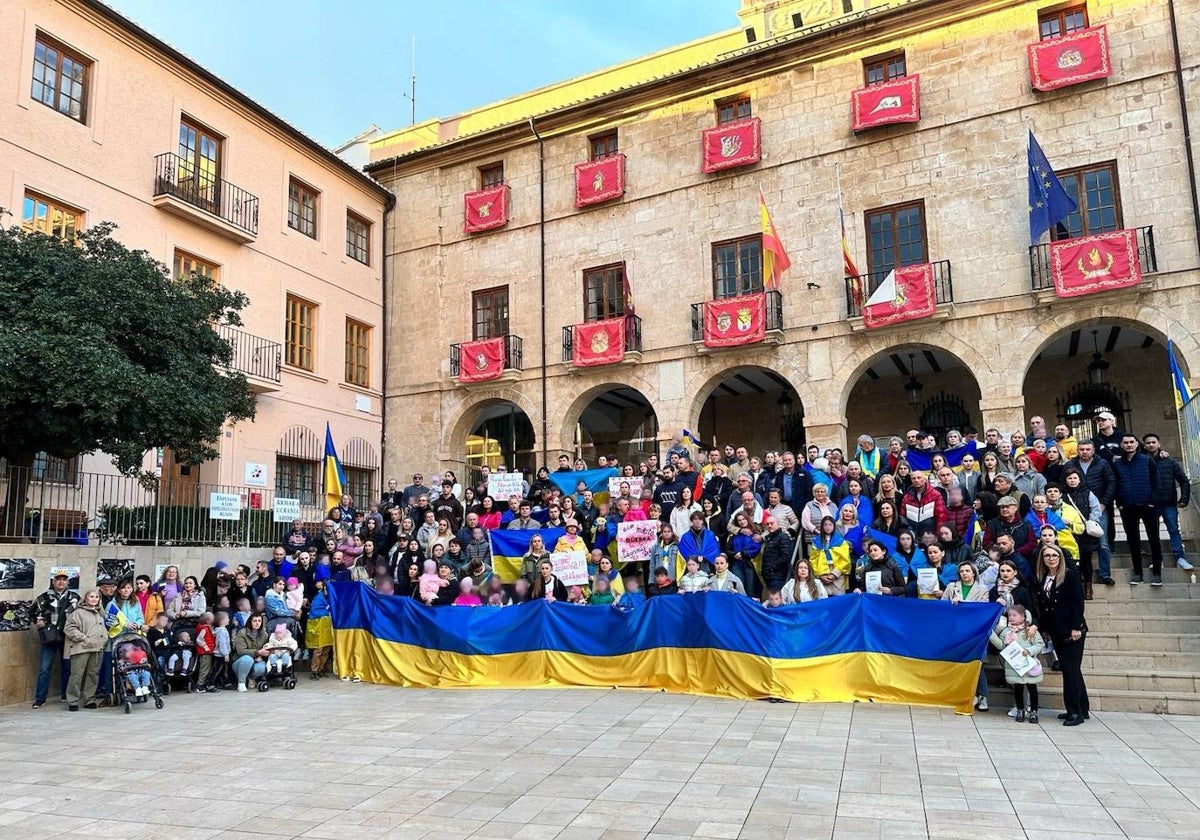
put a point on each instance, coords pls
(774, 257)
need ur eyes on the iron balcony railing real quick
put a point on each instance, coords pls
(513, 357)
(252, 354)
(633, 338)
(774, 314)
(178, 177)
(859, 289)
(1039, 259)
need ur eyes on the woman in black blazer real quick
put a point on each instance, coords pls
(1060, 605)
(548, 584)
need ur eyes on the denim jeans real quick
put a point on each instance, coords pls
(138, 679)
(1170, 516)
(245, 667)
(1105, 548)
(51, 653)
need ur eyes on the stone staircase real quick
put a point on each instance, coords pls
(1143, 647)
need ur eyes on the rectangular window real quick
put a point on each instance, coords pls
(358, 354)
(737, 267)
(358, 484)
(199, 175)
(604, 292)
(603, 145)
(491, 175)
(884, 68)
(358, 238)
(896, 236)
(733, 109)
(297, 479)
(301, 333)
(1054, 24)
(302, 208)
(60, 78)
(188, 264)
(1098, 196)
(847, 6)
(45, 215)
(489, 313)
(55, 470)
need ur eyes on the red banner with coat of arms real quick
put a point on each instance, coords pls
(733, 144)
(732, 321)
(906, 294)
(479, 361)
(485, 209)
(599, 180)
(890, 103)
(1070, 60)
(1096, 263)
(599, 343)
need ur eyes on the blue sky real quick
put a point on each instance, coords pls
(333, 67)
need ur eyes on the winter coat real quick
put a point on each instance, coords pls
(776, 555)
(1173, 485)
(85, 631)
(1002, 636)
(247, 642)
(195, 609)
(1099, 478)
(1137, 480)
(925, 511)
(979, 593)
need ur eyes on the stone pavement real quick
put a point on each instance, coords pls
(334, 760)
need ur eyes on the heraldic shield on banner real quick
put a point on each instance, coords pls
(481, 360)
(599, 180)
(907, 293)
(732, 321)
(733, 144)
(890, 103)
(1096, 263)
(485, 209)
(1070, 60)
(599, 343)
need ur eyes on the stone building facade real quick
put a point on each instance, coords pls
(998, 350)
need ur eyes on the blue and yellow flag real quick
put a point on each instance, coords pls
(1179, 385)
(594, 480)
(335, 478)
(843, 649)
(922, 459)
(692, 439)
(510, 547)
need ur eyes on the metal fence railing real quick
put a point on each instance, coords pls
(81, 508)
(1189, 434)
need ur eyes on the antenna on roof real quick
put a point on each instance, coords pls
(412, 98)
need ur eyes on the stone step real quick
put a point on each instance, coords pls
(1145, 660)
(1116, 700)
(1142, 642)
(1101, 609)
(1148, 622)
(1172, 588)
(1177, 682)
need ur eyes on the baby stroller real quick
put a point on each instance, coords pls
(287, 675)
(127, 646)
(182, 677)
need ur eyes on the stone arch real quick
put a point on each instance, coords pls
(472, 404)
(748, 382)
(629, 392)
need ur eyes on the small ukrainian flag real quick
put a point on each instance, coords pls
(692, 439)
(1183, 394)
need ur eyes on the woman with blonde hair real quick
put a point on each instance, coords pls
(86, 637)
(1059, 593)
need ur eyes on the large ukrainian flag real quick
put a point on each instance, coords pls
(871, 648)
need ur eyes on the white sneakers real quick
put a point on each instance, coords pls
(241, 686)
(1182, 563)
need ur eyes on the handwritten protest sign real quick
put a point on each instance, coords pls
(634, 482)
(635, 540)
(503, 485)
(570, 567)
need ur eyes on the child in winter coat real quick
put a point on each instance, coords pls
(160, 640)
(467, 596)
(294, 598)
(1014, 627)
(180, 659)
(224, 647)
(429, 585)
(694, 580)
(280, 648)
(206, 646)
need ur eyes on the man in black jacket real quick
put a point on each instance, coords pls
(776, 555)
(1173, 494)
(1137, 488)
(1100, 479)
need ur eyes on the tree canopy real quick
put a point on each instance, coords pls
(101, 349)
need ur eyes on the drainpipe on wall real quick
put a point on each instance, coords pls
(1187, 131)
(542, 264)
(388, 207)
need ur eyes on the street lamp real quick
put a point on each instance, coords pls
(1097, 369)
(913, 386)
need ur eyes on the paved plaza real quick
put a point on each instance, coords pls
(336, 760)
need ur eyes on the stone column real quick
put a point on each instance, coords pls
(827, 433)
(1006, 413)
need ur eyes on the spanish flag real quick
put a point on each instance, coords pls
(1178, 384)
(854, 647)
(335, 478)
(774, 257)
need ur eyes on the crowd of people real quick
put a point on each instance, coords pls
(1025, 520)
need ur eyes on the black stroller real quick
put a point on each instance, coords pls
(133, 664)
(287, 675)
(181, 677)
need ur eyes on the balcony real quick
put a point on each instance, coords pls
(630, 352)
(258, 358)
(487, 359)
(1042, 279)
(770, 331)
(868, 283)
(180, 189)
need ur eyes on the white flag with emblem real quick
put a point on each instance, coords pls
(886, 293)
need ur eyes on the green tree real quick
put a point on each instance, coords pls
(100, 349)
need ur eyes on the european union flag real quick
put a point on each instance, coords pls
(1049, 203)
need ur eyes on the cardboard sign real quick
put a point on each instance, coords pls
(502, 486)
(224, 506)
(635, 487)
(874, 583)
(570, 567)
(635, 540)
(927, 580)
(286, 510)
